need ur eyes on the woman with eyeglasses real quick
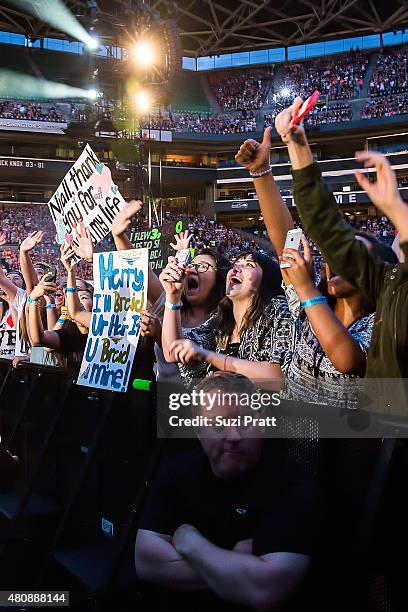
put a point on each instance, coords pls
(252, 332)
(203, 290)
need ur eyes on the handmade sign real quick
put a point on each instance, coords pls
(157, 240)
(87, 193)
(7, 338)
(120, 294)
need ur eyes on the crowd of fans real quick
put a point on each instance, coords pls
(202, 123)
(337, 78)
(232, 517)
(30, 111)
(243, 90)
(390, 74)
(335, 113)
(385, 107)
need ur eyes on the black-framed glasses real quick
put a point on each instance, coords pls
(201, 267)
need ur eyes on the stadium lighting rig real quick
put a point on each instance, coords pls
(142, 101)
(143, 53)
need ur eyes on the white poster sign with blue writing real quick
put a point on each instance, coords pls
(87, 193)
(120, 295)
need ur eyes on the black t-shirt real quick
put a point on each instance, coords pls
(71, 339)
(276, 505)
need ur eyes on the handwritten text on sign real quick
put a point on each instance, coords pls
(119, 297)
(88, 194)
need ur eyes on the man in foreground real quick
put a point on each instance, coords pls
(230, 518)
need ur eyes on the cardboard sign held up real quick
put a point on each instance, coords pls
(87, 193)
(120, 295)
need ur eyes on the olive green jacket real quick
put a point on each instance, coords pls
(386, 285)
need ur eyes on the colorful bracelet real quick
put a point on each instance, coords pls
(314, 301)
(72, 289)
(173, 306)
(50, 306)
(31, 301)
(259, 174)
(61, 321)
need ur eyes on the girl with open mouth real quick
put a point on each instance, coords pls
(251, 333)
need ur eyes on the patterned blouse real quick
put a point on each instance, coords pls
(311, 375)
(271, 338)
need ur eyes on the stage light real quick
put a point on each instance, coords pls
(143, 53)
(142, 101)
(92, 94)
(285, 92)
(93, 43)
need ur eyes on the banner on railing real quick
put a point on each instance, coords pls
(87, 193)
(120, 294)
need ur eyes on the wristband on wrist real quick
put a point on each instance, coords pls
(50, 306)
(61, 321)
(314, 301)
(72, 289)
(31, 301)
(171, 306)
(259, 174)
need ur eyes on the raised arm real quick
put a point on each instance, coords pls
(255, 157)
(8, 286)
(321, 216)
(339, 345)
(120, 225)
(75, 310)
(27, 268)
(171, 324)
(38, 336)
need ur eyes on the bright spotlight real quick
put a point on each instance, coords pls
(285, 92)
(92, 94)
(92, 43)
(142, 101)
(143, 53)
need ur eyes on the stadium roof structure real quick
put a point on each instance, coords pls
(213, 27)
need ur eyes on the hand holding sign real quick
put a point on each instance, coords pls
(122, 220)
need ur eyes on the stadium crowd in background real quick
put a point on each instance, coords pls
(337, 78)
(242, 90)
(29, 111)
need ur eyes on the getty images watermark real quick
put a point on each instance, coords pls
(221, 410)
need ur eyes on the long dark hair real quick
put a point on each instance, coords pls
(271, 287)
(218, 293)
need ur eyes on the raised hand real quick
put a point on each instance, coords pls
(67, 253)
(170, 280)
(85, 249)
(31, 241)
(122, 220)
(283, 119)
(300, 273)
(183, 240)
(43, 287)
(150, 325)
(384, 192)
(254, 155)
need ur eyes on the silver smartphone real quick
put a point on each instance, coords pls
(292, 242)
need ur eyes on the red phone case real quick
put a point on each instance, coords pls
(305, 109)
